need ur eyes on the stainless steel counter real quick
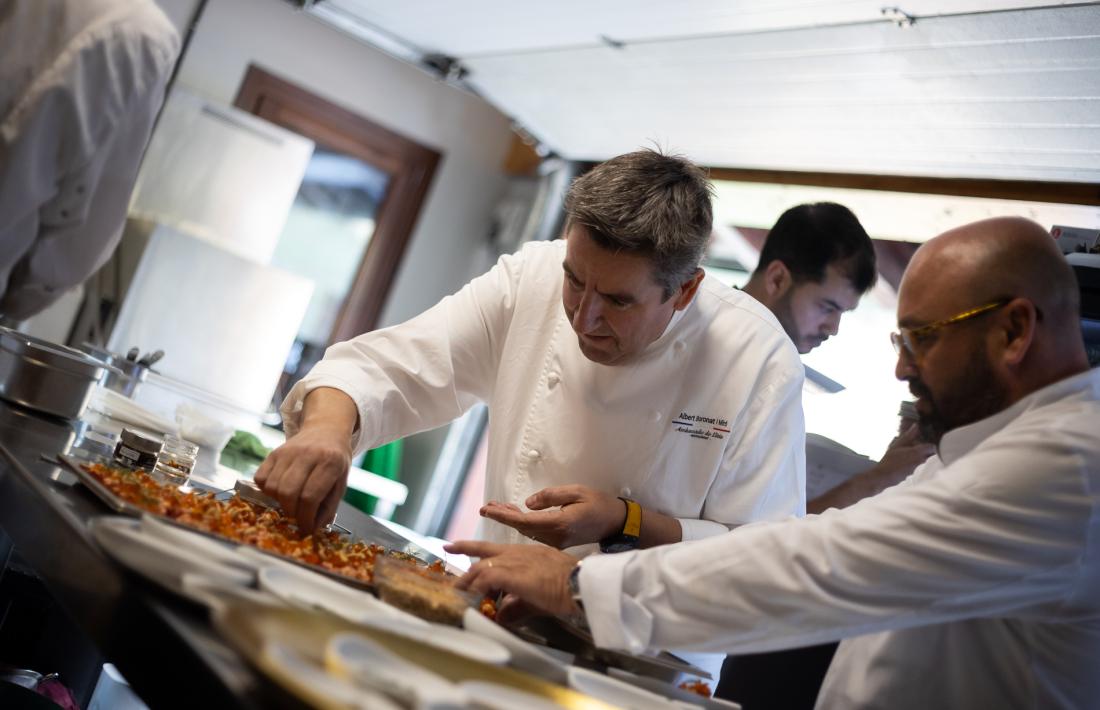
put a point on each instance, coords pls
(164, 645)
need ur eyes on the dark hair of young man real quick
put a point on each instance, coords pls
(809, 237)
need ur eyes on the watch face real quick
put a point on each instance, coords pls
(619, 543)
(575, 582)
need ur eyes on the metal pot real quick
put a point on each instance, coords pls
(24, 678)
(45, 376)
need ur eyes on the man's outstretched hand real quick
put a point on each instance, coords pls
(562, 516)
(536, 574)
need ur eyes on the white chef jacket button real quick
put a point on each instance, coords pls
(533, 453)
(656, 416)
(679, 345)
(625, 491)
(553, 379)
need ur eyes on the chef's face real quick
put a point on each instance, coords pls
(613, 301)
(951, 373)
(810, 311)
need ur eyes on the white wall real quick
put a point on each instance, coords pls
(472, 136)
(179, 11)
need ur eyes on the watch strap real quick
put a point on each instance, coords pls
(627, 538)
(633, 525)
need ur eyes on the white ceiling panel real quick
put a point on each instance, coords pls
(1011, 94)
(479, 27)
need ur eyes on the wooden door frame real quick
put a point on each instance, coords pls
(410, 166)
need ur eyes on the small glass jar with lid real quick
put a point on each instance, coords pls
(137, 449)
(177, 458)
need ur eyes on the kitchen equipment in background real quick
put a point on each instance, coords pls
(1087, 269)
(227, 321)
(1077, 240)
(177, 459)
(127, 378)
(138, 449)
(150, 359)
(126, 373)
(1082, 249)
(55, 434)
(47, 377)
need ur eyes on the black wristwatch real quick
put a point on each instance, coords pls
(627, 539)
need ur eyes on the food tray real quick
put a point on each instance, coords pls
(118, 505)
(324, 571)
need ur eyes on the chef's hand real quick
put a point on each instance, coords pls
(562, 516)
(309, 473)
(536, 574)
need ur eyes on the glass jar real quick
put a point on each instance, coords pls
(137, 449)
(177, 458)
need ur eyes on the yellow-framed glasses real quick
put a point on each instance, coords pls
(912, 339)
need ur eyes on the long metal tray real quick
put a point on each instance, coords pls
(123, 507)
(563, 634)
(105, 495)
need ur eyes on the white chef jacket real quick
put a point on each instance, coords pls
(81, 82)
(705, 425)
(975, 583)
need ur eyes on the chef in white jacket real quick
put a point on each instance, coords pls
(975, 583)
(612, 368)
(632, 400)
(81, 83)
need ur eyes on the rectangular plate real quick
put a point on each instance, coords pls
(349, 581)
(100, 491)
(123, 507)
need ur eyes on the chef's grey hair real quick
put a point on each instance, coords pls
(647, 203)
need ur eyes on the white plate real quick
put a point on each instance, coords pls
(310, 681)
(163, 562)
(617, 692)
(371, 665)
(494, 696)
(304, 588)
(525, 656)
(215, 594)
(216, 550)
(449, 638)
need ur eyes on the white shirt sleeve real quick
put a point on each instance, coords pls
(72, 145)
(985, 536)
(424, 372)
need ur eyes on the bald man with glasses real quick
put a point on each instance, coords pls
(975, 583)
